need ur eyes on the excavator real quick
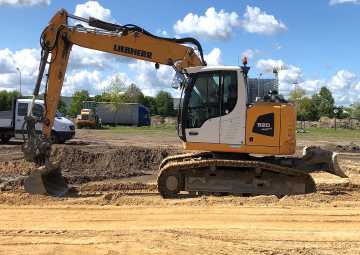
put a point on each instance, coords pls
(239, 147)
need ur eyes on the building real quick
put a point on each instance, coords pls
(259, 88)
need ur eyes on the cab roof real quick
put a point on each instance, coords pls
(28, 100)
(198, 69)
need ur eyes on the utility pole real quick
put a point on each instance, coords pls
(18, 69)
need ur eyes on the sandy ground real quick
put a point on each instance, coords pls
(179, 230)
(121, 212)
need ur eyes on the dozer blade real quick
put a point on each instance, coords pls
(316, 158)
(46, 180)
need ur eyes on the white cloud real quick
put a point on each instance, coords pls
(93, 9)
(344, 85)
(25, 2)
(257, 21)
(7, 62)
(27, 60)
(312, 86)
(150, 80)
(290, 75)
(213, 25)
(220, 25)
(342, 80)
(87, 58)
(334, 2)
(250, 53)
(268, 65)
(214, 57)
(94, 81)
(79, 80)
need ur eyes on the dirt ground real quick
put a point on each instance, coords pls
(114, 207)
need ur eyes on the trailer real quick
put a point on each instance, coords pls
(12, 123)
(124, 114)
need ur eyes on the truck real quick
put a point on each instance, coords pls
(12, 122)
(126, 114)
(88, 118)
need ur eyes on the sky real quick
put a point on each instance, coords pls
(312, 43)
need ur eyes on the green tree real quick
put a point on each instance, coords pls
(356, 111)
(342, 112)
(104, 97)
(115, 94)
(6, 99)
(62, 107)
(304, 111)
(297, 94)
(77, 102)
(164, 104)
(133, 94)
(326, 103)
(150, 103)
(314, 113)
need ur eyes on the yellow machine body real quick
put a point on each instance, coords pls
(283, 142)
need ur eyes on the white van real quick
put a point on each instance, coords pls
(12, 122)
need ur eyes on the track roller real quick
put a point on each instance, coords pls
(170, 183)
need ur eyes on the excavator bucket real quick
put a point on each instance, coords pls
(46, 180)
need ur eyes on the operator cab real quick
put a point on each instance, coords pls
(216, 114)
(214, 99)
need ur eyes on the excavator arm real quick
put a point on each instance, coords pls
(125, 40)
(56, 41)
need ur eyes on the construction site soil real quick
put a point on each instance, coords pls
(114, 207)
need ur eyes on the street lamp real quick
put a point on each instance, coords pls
(18, 69)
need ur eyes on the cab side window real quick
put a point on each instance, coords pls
(230, 92)
(204, 99)
(22, 109)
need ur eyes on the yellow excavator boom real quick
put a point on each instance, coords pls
(129, 41)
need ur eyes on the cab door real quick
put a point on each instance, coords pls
(203, 109)
(233, 109)
(21, 112)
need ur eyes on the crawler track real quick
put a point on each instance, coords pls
(203, 173)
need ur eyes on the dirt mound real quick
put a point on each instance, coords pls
(96, 163)
(351, 147)
(119, 187)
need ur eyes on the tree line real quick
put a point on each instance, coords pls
(321, 104)
(309, 108)
(7, 98)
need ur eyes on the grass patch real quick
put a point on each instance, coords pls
(160, 129)
(311, 133)
(330, 133)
